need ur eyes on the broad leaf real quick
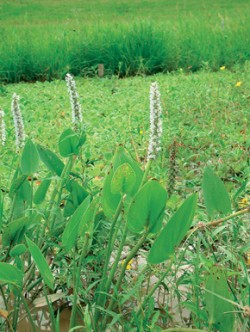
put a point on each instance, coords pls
(215, 194)
(71, 231)
(88, 218)
(41, 263)
(16, 183)
(123, 180)
(9, 274)
(68, 143)
(147, 208)
(76, 197)
(51, 160)
(41, 191)
(14, 231)
(173, 233)
(18, 250)
(29, 159)
(110, 200)
(220, 311)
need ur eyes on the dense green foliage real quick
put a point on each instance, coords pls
(44, 41)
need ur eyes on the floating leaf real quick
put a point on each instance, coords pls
(51, 160)
(174, 232)
(220, 310)
(9, 274)
(41, 263)
(147, 208)
(215, 194)
(68, 143)
(71, 230)
(123, 180)
(29, 158)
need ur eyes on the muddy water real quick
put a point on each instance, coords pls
(42, 322)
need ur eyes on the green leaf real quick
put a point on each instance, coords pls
(29, 158)
(71, 232)
(220, 311)
(110, 200)
(18, 250)
(147, 208)
(17, 182)
(41, 191)
(174, 232)
(9, 274)
(215, 194)
(77, 195)
(68, 143)
(1, 210)
(14, 231)
(41, 263)
(51, 160)
(87, 222)
(123, 180)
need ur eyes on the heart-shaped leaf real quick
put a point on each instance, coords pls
(68, 143)
(123, 179)
(9, 274)
(147, 208)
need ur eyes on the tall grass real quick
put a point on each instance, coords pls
(142, 48)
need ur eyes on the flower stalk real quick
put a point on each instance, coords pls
(2, 128)
(18, 121)
(155, 122)
(74, 100)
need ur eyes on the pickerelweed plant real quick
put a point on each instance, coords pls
(66, 246)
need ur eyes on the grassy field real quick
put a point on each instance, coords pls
(163, 36)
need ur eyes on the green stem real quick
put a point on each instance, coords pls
(163, 276)
(77, 280)
(113, 233)
(217, 222)
(117, 259)
(182, 329)
(27, 310)
(146, 171)
(64, 178)
(119, 282)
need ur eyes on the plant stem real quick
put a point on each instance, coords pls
(219, 221)
(157, 284)
(64, 179)
(27, 310)
(123, 270)
(78, 279)
(112, 237)
(117, 259)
